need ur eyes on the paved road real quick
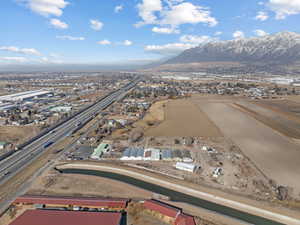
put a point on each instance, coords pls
(10, 166)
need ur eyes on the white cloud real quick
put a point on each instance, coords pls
(26, 51)
(284, 8)
(193, 39)
(127, 43)
(104, 42)
(147, 10)
(186, 12)
(58, 24)
(118, 8)
(70, 38)
(260, 33)
(96, 24)
(165, 30)
(174, 13)
(218, 33)
(47, 7)
(13, 59)
(238, 34)
(262, 16)
(46, 60)
(168, 49)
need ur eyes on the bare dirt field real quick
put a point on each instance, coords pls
(183, 118)
(17, 134)
(81, 185)
(288, 108)
(274, 154)
(282, 123)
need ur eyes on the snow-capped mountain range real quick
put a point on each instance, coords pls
(280, 48)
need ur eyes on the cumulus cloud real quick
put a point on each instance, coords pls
(70, 38)
(168, 49)
(218, 33)
(165, 30)
(262, 16)
(13, 59)
(185, 42)
(186, 12)
(147, 10)
(26, 51)
(238, 34)
(284, 8)
(173, 13)
(47, 7)
(56, 23)
(260, 33)
(127, 43)
(104, 42)
(118, 8)
(194, 39)
(96, 25)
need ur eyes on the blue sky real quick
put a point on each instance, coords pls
(122, 31)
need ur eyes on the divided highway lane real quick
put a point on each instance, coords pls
(22, 158)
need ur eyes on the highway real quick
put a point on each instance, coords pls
(16, 162)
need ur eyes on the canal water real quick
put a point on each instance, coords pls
(178, 196)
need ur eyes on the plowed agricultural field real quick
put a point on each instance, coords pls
(184, 118)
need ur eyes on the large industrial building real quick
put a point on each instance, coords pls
(70, 202)
(176, 215)
(22, 96)
(60, 217)
(49, 210)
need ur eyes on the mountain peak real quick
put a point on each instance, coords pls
(283, 47)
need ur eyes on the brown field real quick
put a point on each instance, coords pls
(275, 155)
(277, 121)
(17, 134)
(183, 118)
(82, 185)
(288, 108)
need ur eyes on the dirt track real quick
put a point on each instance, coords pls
(274, 154)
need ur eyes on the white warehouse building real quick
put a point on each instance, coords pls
(186, 166)
(21, 96)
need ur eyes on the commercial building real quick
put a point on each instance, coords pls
(166, 154)
(163, 208)
(186, 166)
(152, 154)
(175, 214)
(100, 150)
(60, 217)
(61, 109)
(133, 153)
(18, 97)
(70, 202)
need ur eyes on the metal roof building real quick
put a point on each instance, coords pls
(71, 201)
(126, 154)
(24, 95)
(51, 217)
(163, 208)
(186, 166)
(166, 154)
(184, 219)
(100, 150)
